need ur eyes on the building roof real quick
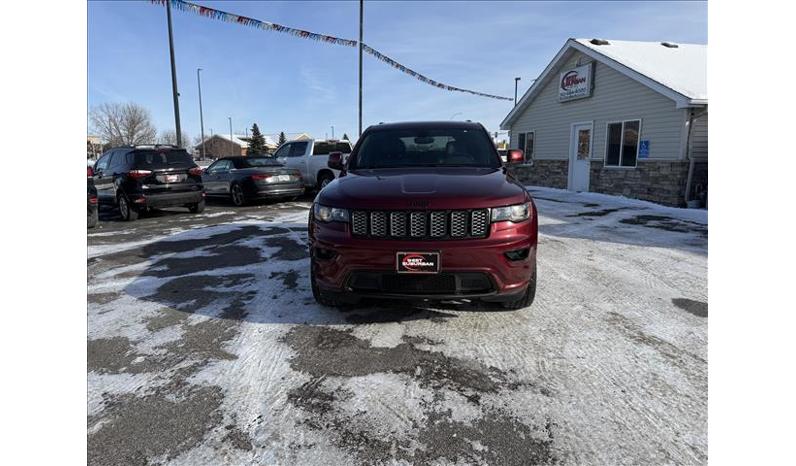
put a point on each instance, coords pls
(243, 140)
(678, 71)
(682, 68)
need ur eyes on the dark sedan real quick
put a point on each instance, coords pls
(246, 178)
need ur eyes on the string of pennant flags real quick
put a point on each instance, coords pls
(213, 13)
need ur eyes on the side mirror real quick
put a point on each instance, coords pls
(335, 161)
(515, 156)
(89, 172)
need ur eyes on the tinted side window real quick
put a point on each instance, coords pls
(344, 147)
(220, 166)
(153, 159)
(321, 148)
(283, 151)
(102, 163)
(297, 149)
(118, 160)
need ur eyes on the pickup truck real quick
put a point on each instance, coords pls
(310, 157)
(424, 210)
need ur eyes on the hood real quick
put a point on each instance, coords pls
(424, 188)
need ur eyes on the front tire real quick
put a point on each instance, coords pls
(93, 218)
(237, 195)
(197, 208)
(324, 299)
(325, 179)
(128, 212)
(526, 299)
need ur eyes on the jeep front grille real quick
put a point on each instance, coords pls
(434, 224)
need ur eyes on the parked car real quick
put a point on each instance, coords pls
(424, 211)
(134, 178)
(310, 158)
(93, 208)
(245, 178)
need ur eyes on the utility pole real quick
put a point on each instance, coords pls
(516, 80)
(176, 94)
(201, 117)
(231, 146)
(361, 10)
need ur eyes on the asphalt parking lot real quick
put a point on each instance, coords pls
(205, 346)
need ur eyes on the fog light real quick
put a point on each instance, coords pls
(324, 254)
(517, 255)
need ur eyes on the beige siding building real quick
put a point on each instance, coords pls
(617, 117)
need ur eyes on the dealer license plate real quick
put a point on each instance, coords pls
(417, 262)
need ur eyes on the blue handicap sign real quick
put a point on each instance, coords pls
(644, 149)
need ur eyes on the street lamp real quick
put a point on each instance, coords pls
(332, 131)
(231, 147)
(457, 113)
(201, 117)
(516, 80)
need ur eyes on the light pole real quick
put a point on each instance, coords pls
(201, 117)
(361, 9)
(231, 146)
(516, 80)
(174, 92)
(457, 113)
(332, 131)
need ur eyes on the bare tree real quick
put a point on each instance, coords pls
(170, 137)
(123, 124)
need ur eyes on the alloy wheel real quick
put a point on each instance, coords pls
(237, 195)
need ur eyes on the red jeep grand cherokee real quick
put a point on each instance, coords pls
(424, 211)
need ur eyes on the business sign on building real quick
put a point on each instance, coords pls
(575, 83)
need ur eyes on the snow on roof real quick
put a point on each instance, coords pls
(243, 141)
(678, 71)
(682, 68)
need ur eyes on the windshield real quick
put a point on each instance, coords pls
(153, 159)
(442, 147)
(251, 162)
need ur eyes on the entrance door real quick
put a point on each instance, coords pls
(579, 155)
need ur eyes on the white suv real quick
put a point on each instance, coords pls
(310, 157)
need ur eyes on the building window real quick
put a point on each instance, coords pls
(525, 141)
(621, 149)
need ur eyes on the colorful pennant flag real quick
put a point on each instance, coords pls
(268, 26)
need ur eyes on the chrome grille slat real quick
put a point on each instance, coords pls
(458, 223)
(359, 223)
(420, 224)
(479, 222)
(398, 223)
(378, 224)
(417, 221)
(439, 224)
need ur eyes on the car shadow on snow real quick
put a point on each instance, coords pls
(257, 273)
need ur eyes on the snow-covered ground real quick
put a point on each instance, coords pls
(206, 347)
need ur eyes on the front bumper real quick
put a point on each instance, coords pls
(340, 260)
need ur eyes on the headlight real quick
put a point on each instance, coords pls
(514, 213)
(330, 214)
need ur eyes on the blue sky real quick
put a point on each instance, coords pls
(284, 83)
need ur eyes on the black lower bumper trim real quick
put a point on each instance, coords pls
(449, 284)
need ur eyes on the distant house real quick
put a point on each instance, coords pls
(220, 145)
(93, 147)
(617, 117)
